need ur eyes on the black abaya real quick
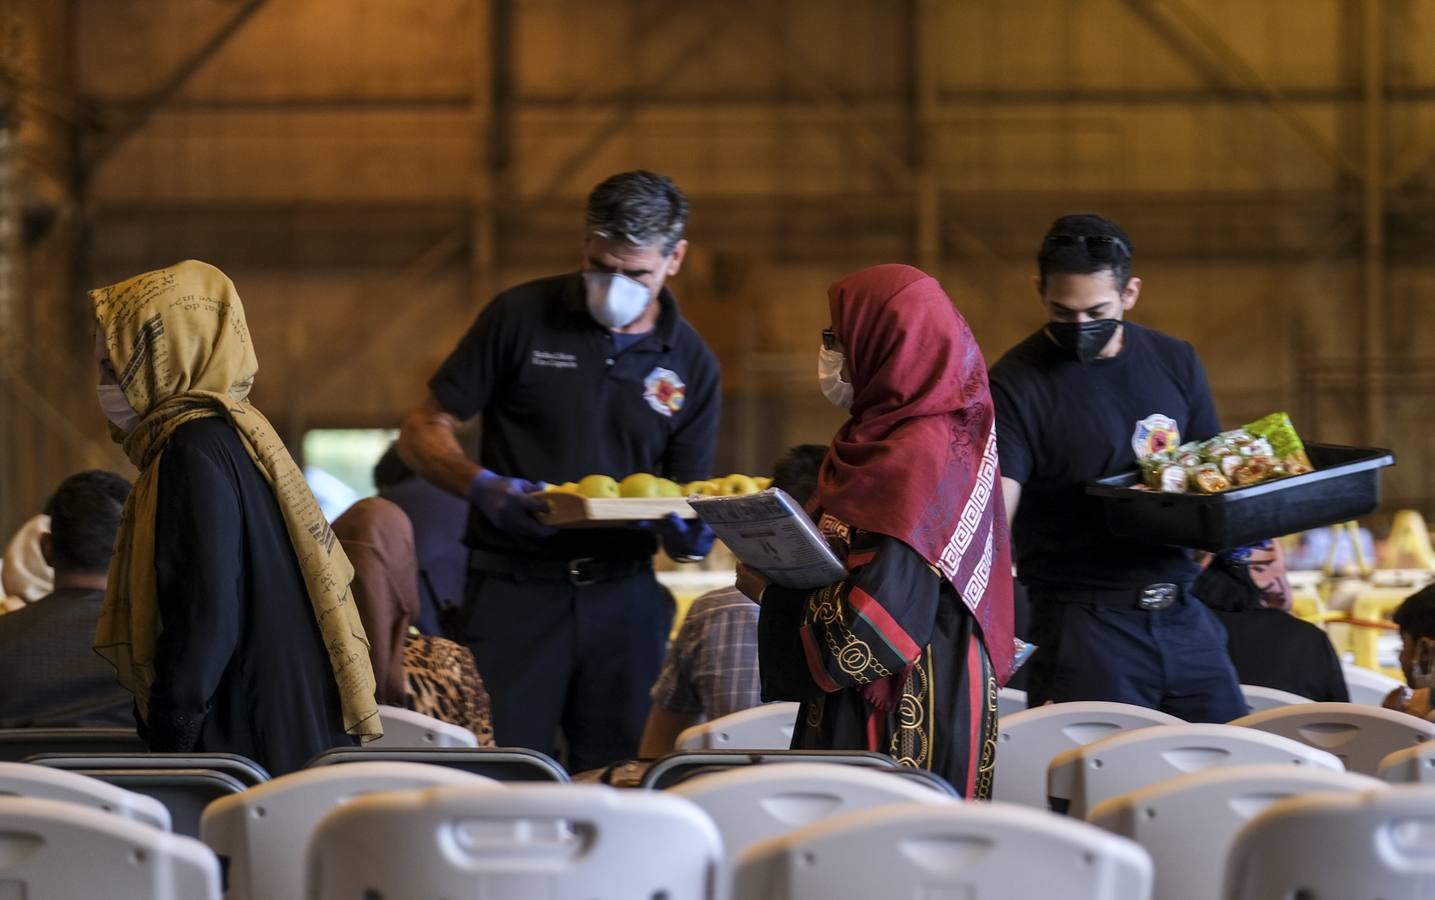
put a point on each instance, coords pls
(240, 665)
(892, 616)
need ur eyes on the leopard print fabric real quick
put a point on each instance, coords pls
(444, 683)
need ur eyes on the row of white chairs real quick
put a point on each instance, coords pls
(1366, 687)
(770, 726)
(403, 829)
(1113, 753)
(1237, 812)
(796, 831)
(1362, 739)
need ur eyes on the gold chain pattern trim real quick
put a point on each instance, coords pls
(827, 611)
(986, 767)
(911, 743)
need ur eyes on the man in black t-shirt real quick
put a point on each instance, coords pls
(1083, 398)
(593, 372)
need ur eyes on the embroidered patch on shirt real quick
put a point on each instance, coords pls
(1154, 434)
(664, 391)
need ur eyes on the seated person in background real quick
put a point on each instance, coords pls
(427, 674)
(711, 669)
(49, 675)
(1416, 620)
(24, 575)
(1269, 647)
(439, 519)
(1314, 549)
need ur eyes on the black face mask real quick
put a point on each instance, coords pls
(1083, 340)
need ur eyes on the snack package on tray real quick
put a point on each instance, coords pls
(1266, 449)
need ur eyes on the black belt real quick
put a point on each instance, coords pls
(581, 571)
(1150, 597)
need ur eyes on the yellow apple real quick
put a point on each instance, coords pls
(639, 484)
(598, 487)
(667, 488)
(702, 488)
(734, 485)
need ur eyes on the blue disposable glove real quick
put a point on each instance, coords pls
(684, 539)
(509, 504)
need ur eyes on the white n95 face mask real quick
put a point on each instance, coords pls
(116, 407)
(829, 377)
(615, 300)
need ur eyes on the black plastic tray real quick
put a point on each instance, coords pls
(1345, 485)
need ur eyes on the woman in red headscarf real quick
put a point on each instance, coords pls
(905, 655)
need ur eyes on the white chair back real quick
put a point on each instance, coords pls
(263, 831)
(766, 727)
(1260, 698)
(539, 840)
(1010, 700)
(754, 803)
(54, 848)
(45, 783)
(404, 728)
(975, 851)
(1082, 777)
(1367, 686)
(1027, 741)
(1361, 736)
(1413, 765)
(1372, 844)
(1187, 823)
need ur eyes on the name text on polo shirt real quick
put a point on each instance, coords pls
(554, 360)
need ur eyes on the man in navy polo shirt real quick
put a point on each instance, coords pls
(1080, 399)
(593, 372)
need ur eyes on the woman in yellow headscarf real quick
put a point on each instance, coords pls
(228, 614)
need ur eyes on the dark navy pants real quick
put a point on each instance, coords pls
(1171, 659)
(580, 658)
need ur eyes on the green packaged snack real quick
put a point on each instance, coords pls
(1282, 438)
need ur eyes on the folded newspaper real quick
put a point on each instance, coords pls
(771, 534)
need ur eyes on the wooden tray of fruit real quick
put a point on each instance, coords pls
(601, 501)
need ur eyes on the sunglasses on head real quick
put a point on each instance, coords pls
(1097, 246)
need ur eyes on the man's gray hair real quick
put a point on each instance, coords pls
(638, 208)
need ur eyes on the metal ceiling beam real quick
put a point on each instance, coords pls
(379, 296)
(924, 75)
(1192, 39)
(852, 128)
(175, 83)
(717, 20)
(1373, 207)
(656, 99)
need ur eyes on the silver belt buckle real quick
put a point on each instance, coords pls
(575, 571)
(1158, 596)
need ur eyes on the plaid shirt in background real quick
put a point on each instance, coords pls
(712, 665)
